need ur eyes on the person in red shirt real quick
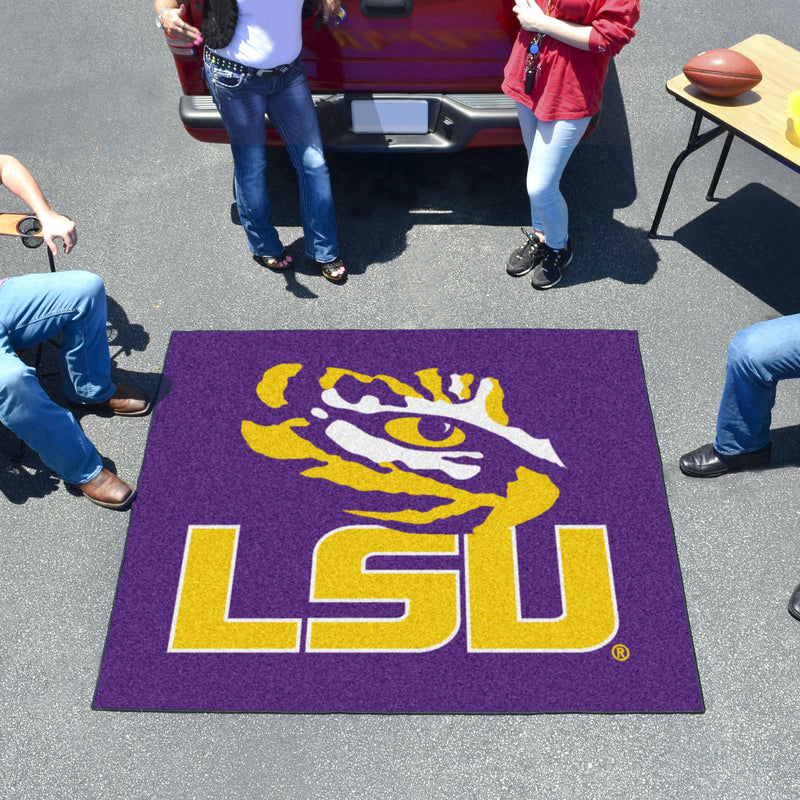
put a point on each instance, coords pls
(555, 73)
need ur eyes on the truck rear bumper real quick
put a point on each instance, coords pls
(454, 121)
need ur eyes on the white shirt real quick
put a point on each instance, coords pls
(267, 33)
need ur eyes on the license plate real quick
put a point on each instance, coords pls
(389, 116)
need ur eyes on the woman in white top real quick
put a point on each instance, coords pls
(252, 68)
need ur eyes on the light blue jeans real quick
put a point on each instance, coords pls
(758, 357)
(243, 100)
(33, 308)
(549, 146)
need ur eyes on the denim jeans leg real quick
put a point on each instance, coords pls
(758, 358)
(252, 199)
(242, 104)
(25, 408)
(549, 146)
(47, 428)
(33, 308)
(291, 110)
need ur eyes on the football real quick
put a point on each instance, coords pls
(722, 73)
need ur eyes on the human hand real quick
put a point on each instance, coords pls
(328, 8)
(57, 226)
(530, 16)
(172, 20)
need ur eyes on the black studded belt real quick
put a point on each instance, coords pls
(235, 66)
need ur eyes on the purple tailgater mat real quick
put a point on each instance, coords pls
(442, 521)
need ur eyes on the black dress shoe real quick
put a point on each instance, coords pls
(794, 602)
(706, 462)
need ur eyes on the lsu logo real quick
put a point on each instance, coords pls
(427, 467)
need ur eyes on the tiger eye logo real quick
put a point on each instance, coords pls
(405, 457)
(393, 440)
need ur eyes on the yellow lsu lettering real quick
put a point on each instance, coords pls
(340, 574)
(589, 610)
(201, 622)
(430, 598)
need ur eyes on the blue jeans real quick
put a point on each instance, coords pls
(34, 308)
(243, 100)
(758, 357)
(549, 146)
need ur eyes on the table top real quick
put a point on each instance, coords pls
(760, 115)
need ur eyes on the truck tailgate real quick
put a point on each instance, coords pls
(412, 45)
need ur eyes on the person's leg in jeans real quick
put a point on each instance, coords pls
(758, 357)
(34, 308)
(292, 112)
(242, 103)
(549, 146)
(548, 250)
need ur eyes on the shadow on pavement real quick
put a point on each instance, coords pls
(785, 446)
(20, 482)
(753, 237)
(380, 197)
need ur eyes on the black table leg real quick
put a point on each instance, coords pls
(696, 141)
(720, 164)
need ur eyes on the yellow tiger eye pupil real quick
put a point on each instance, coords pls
(406, 429)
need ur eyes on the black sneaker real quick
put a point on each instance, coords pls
(525, 258)
(552, 267)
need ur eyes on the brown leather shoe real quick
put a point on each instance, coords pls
(127, 402)
(109, 491)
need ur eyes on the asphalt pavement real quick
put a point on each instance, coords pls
(89, 104)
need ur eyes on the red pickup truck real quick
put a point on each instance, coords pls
(401, 75)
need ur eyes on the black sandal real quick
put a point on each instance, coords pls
(329, 268)
(274, 262)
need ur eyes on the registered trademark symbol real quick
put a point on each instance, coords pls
(620, 652)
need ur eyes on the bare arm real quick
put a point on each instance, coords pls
(532, 18)
(20, 182)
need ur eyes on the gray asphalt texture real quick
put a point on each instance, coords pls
(89, 104)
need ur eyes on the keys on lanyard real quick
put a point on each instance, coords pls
(531, 60)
